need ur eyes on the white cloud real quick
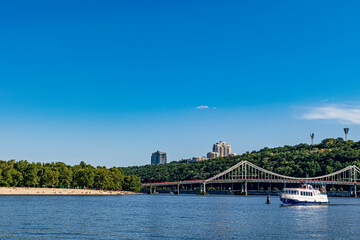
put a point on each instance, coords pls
(344, 114)
(202, 107)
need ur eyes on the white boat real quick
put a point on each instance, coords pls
(306, 195)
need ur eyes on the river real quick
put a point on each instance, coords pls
(162, 216)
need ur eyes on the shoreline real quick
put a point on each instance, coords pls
(60, 191)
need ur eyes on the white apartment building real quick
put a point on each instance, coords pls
(223, 148)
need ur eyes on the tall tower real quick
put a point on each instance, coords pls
(158, 157)
(346, 131)
(312, 135)
(222, 148)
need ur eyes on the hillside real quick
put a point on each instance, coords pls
(298, 161)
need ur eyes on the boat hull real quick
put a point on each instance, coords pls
(297, 202)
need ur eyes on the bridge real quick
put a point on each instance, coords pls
(246, 172)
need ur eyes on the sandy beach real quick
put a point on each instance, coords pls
(58, 191)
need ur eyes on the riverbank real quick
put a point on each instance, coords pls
(59, 191)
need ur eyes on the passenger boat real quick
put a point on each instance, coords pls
(305, 195)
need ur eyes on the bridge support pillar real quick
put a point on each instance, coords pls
(355, 191)
(150, 190)
(178, 189)
(203, 187)
(245, 188)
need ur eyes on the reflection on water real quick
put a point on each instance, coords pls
(174, 217)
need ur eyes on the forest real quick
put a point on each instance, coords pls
(298, 161)
(22, 173)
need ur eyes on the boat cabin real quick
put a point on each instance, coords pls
(304, 190)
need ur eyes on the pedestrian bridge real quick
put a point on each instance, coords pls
(247, 172)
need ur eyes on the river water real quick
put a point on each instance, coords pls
(160, 216)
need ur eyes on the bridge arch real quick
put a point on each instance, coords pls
(248, 171)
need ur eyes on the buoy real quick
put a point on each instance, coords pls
(268, 199)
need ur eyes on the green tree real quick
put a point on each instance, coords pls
(132, 183)
(65, 175)
(49, 177)
(31, 178)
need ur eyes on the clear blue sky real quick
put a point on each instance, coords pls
(110, 82)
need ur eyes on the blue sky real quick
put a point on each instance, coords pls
(111, 82)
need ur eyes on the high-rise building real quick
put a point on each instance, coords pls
(212, 155)
(223, 148)
(158, 157)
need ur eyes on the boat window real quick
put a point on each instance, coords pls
(297, 192)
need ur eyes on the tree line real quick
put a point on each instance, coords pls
(301, 160)
(22, 173)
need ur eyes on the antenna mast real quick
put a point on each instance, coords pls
(312, 135)
(346, 131)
